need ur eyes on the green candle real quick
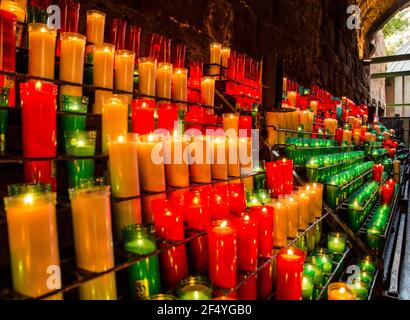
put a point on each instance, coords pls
(307, 288)
(360, 290)
(313, 269)
(336, 242)
(194, 288)
(144, 275)
(367, 264)
(325, 258)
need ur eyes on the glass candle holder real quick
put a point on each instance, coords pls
(368, 264)
(176, 165)
(32, 231)
(40, 172)
(200, 159)
(280, 224)
(324, 258)
(28, 188)
(163, 80)
(163, 297)
(151, 163)
(222, 254)
(289, 274)
(195, 74)
(142, 116)
(72, 58)
(124, 70)
(179, 84)
(178, 55)
(339, 291)
(39, 117)
(42, 44)
(237, 198)
(359, 289)
(208, 90)
(312, 268)
(144, 276)
(215, 58)
(133, 38)
(231, 124)
(307, 288)
(123, 155)
(104, 66)
(117, 33)
(336, 242)
(95, 26)
(147, 70)
(114, 121)
(194, 288)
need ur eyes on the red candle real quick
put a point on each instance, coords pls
(197, 217)
(378, 172)
(169, 226)
(248, 291)
(339, 136)
(40, 172)
(237, 200)
(274, 179)
(39, 118)
(247, 242)
(167, 116)
(392, 183)
(222, 254)
(289, 273)
(392, 153)
(219, 202)
(286, 169)
(245, 123)
(195, 74)
(142, 111)
(195, 119)
(264, 218)
(387, 194)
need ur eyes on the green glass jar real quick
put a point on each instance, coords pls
(307, 288)
(18, 189)
(313, 268)
(195, 288)
(368, 264)
(144, 275)
(325, 258)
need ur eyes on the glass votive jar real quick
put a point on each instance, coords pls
(336, 242)
(368, 264)
(359, 289)
(313, 268)
(194, 288)
(324, 258)
(339, 291)
(80, 143)
(28, 188)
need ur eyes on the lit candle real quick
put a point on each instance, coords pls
(147, 70)
(289, 274)
(163, 80)
(194, 288)
(215, 58)
(142, 116)
(245, 155)
(176, 157)
(180, 84)
(293, 217)
(72, 58)
(280, 224)
(237, 198)
(114, 121)
(222, 242)
(124, 70)
(32, 231)
(387, 194)
(336, 242)
(169, 225)
(231, 124)
(292, 95)
(200, 165)
(286, 170)
(347, 137)
(144, 276)
(315, 192)
(225, 54)
(101, 97)
(219, 167)
(378, 172)
(39, 119)
(123, 155)
(42, 45)
(208, 90)
(104, 66)
(151, 163)
(95, 26)
(339, 291)
(304, 208)
(125, 213)
(272, 119)
(396, 167)
(368, 137)
(314, 104)
(247, 243)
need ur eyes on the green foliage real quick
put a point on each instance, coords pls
(397, 24)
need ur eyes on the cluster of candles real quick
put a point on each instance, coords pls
(340, 186)
(242, 72)
(289, 123)
(319, 168)
(361, 204)
(377, 227)
(320, 265)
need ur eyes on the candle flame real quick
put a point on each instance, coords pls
(38, 85)
(264, 209)
(247, 218)
(342, 290)
(290, 252)
(28, 199)
(151, 138)
(224, 224)
(80, 143)
(120, 139)
(43, 29)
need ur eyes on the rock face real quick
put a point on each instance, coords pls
(310, 35)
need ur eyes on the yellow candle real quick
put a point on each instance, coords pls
(33, 243)
(42, 45)
(219, 166)
(330, 126)
(101, 97)
(339, 291)
(245, 155)
(292, 95)
(208, 90)
(215, 58)
(151, 163)
(95, 26)
(280, 224)
(294, 122)
(123, 155)
(316, 192)
(314, 105)
(71, 91)
(231, 124)
(200, 164)
(72, 57)
(225, 54)
(304, 210)
(104, 66)
(350, 121)
(114, 121)
(305, 120)
(102, 288)
(293, 217)
(374, 137)
(147, 70)
(356, 137)
(14, 8)
(272, 120)
(164, 80)
(126, 213)
(396, 167)
(124, 70)
(347, 137)
(234, 167)
(179, 84)
(176, 161)
(91, 212)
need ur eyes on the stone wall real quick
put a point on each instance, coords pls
(311, 35)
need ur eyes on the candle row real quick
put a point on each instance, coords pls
(300, 155)
(336, 190)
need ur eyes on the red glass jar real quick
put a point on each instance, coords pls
(117, 33)
(133, 39)
(155, 46)
(142, 116)
(70, 14)
(195, 74)
(237, 198)
(178, 55)
(289, 274)
(167, 116)
(39, 118)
